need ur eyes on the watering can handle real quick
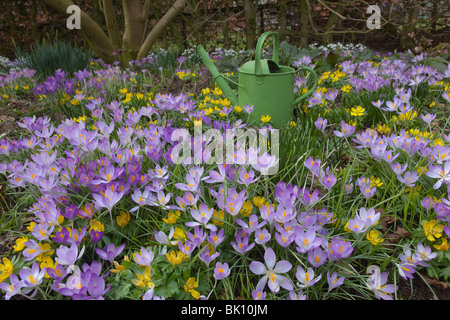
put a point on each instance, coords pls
(259, 45)
(314, 74)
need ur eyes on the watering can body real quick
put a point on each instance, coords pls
(264, 84)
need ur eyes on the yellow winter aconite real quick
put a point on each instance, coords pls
(266, 118)
(374, 237)
(123, 218)
(6, 269)
(144, 280)
(190, 286)
(432, 230)
(357, 112)
(175, 257)
(20, 243)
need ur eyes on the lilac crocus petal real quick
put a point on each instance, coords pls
(257, 267)
(269, 258)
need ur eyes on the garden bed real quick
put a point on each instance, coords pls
(95, 206)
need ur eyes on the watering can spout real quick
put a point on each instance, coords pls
(221, 82)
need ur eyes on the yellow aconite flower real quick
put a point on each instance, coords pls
(346, 88)
(205, 91)
(357, 112)
(46, 251)
(172, 217)
(144, 280)
(265, 118)
(218, 215)
(20, 243)
(258, 201)
(443, 246)
(118, 267)
(238, 109)
(246, 208)
(123, 91)
(209, 111)
(179, 234)
(374, 237)
(175, 257)
(6, 269)
(47, 262)
(438, 141)
(123, 218)
(432, 230)
(96, 225)
(217, 91)
(190, 285)
(375, 182)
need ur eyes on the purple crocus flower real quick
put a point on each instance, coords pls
(252, 224)
(202, 217)
(321, 124)
(272, 273)
(262, 236)
(306, 278)
(377, 283)
(107, 199)
(207, 256)
(96, 236)
(313, 165)
(32, 250)
(317, 257)
(241, 245)
(334, 281)
(221, 271)
(442, 173)
(346, 130)
(428, 118)
(68, 256)
(328, 181)
(96, 286)
(144, 257)
(409, 178)
(33, 276)
(13, 288)
(306, 240)
(110, 252)
(339, 248)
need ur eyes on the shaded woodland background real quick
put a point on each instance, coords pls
(406, 24)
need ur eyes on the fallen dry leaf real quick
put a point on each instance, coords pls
(436, 283)
(371, 132)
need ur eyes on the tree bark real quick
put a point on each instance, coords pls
(331, 23)
(134, 29)
(159, 27)
(283, 19)
(250, 23)
(304, 23)
(111, 24)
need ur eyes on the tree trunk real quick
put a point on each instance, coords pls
(159, 27)
(332, 22)
(134, 29)
(283, 19)
(250, 23)
(406, 36)
(304, 23)
(111, 24)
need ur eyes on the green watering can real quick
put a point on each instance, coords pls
(263, 83)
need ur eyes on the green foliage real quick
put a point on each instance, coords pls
(46, 58)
